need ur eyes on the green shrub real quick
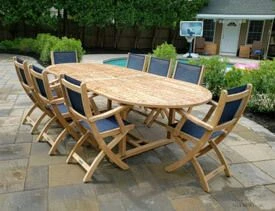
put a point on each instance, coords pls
(233, 78)
(165, 51)
(42, 39)
(27, 45)
(214, 75)
(66, 44)
(42, 46)
(263, 80)
(10, 45)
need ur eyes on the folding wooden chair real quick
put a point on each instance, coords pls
(49, 95)
(97, 127)
(161, 67)
(197, 137)
(184, 72)
(137, 62)
(59, 57)
(24, 77)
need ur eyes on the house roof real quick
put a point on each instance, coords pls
(239, 9)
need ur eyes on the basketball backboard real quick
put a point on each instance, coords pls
(191, 28)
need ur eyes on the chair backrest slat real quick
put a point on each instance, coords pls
(136, 61)
(159, 67)
(188, 73)
(19, 65)
(39, 81)
(60, 57)
(231, 108)
(74, 97)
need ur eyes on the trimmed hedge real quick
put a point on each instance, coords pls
(42, 46)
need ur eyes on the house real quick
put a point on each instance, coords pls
(231, 26)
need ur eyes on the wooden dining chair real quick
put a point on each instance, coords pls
(60, 57)
(50, 96)
(197, 137)
(137, 62)
(188, 72)
(161, 67)
(183, 72)
(24, 77)
(97, 127)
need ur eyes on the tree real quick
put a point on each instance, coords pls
(27, 12)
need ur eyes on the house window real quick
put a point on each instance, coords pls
(255, 31)
(208, 30)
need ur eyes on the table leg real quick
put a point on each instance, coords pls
(170, 120)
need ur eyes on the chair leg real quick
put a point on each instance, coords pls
(106, 150)
(221, 158)
(76, 146)
(92, 168)
(111, 155)
(190, 154)
(57, 141)
(45, 129)
(27, 115)
(200, 174)
(37, 122)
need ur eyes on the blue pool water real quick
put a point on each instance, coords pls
(122, 62)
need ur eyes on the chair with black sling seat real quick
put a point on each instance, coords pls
(97, 127)
(24, 77)
(197, 137)
(51, 98)
(183, 72)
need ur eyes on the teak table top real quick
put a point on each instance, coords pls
(133, 87)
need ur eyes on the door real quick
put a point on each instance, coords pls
(230, 38)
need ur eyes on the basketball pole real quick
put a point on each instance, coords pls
(190, 40)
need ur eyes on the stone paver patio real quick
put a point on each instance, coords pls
(32, 180)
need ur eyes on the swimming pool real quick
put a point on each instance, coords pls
(123, 60)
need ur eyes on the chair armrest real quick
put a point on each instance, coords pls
(53, 86)
(195, 120)
(57, 100)
(213, 103)
(56, 80)
(109, 113)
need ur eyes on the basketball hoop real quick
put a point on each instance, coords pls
(189, 30)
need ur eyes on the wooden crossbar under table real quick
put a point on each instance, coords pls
(136, 88)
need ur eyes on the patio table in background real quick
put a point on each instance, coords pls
(131, 87)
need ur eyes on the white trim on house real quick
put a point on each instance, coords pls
(247, 17)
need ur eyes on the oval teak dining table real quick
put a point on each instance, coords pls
(132, 87)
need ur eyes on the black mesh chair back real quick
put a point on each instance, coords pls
(136, 61)
(60, 57)
(159, 67)
(188, 73)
